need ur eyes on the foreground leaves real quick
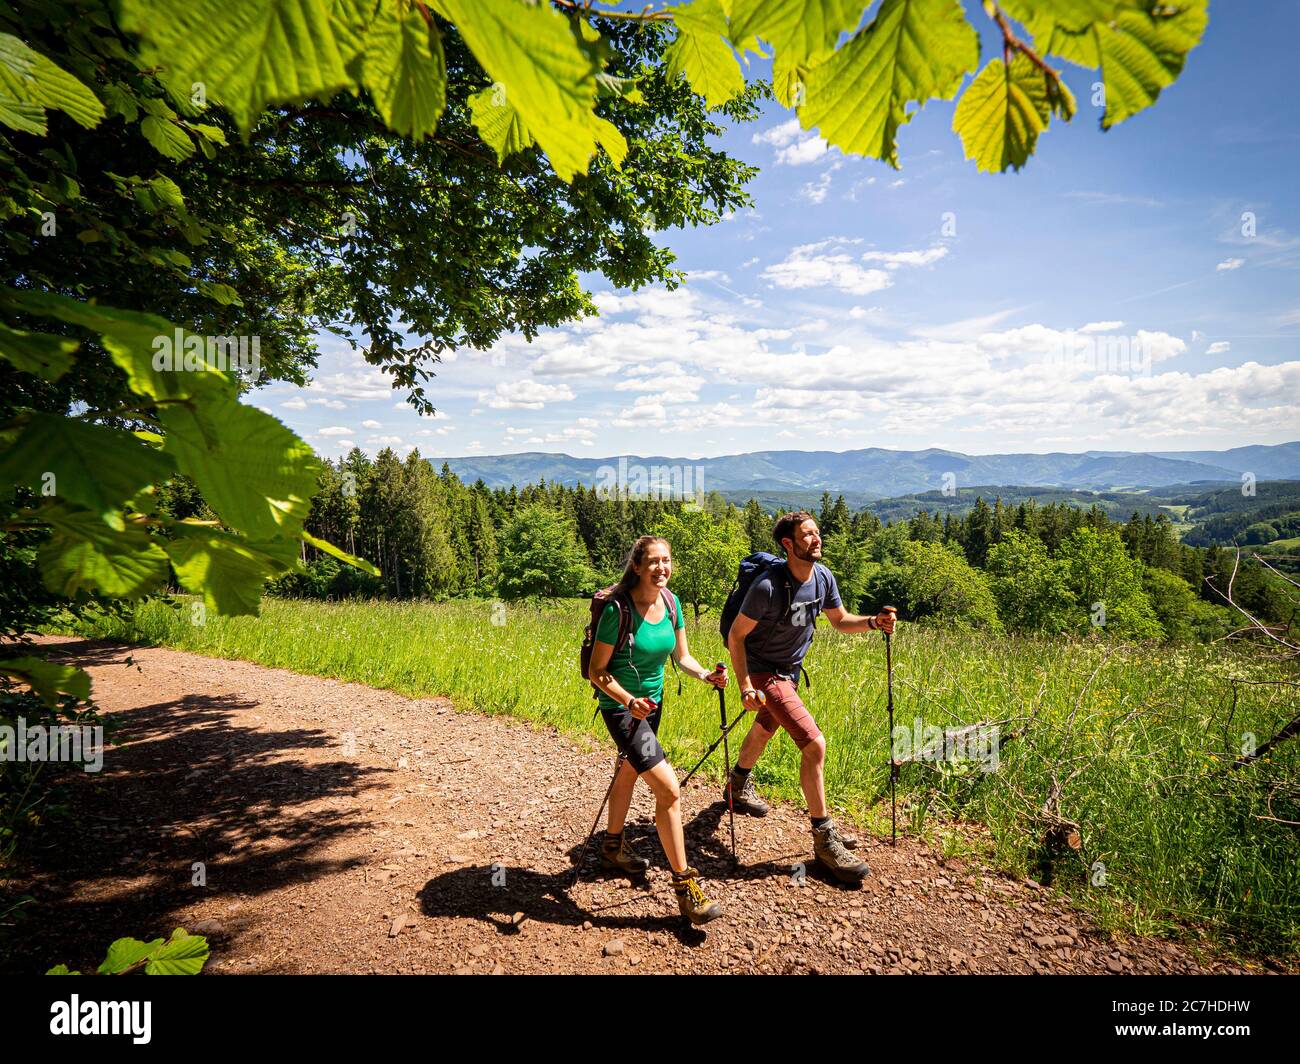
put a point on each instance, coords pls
(914, 50)
(46, 679)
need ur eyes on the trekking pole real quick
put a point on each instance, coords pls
(618, 767)
(726, 760)
(716, 743)
(893, 763)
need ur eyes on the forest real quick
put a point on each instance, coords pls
(1052, 568)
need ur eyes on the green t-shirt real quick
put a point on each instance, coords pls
(639, 671)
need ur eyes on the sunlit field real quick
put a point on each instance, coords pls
(1133, 746)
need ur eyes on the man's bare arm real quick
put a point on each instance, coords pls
(851, 622)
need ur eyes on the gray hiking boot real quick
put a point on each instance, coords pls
(746, 799)
(831, 852)
(850, 841)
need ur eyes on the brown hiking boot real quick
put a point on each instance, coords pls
(691, 900)
(616, 852)
(831, 852)
(746, 798)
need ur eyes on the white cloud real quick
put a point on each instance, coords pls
(334, 430)
(779, 136)
(296, 403)
(893, 259)
(825, 264)
(817, 191)
(826, 271)
(1218, 347)
(708, 275)
(371, 425)
(1100, 326)
(793, 146)
(582, 437)
(524, 394)
(361, 383)
(1230, 264)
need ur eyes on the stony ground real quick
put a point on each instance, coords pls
(341, 828)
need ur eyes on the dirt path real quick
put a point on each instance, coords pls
(347, 829)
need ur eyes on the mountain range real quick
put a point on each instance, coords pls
(874, 472)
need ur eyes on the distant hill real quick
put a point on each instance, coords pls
(875, 473)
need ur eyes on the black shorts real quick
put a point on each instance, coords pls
(636, 738)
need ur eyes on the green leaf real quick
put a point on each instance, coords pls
(132, 339)
(94, 466)
(47, 356)
(1140, 55)
(613, 141)
(56, 89)
(913, 50)
(702, 54)
(61, 969)
(30, 84)
(120, 100)
(213, 134)
(85, 554)
(18, 109)
(126, 953)
(228, 570)
(1001, 115)
(498, 123)
(221, 293)
(608, 86)
(549, 79)
(183, 954)
(255, 473)
(1072, 14)
(799, 30)
(167, 137)
(406, 72)
(1141, 46)
(341, 555)
(168, 191)
(246, 53)
(47, 679)
(789, 81)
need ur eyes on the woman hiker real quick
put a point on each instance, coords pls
(630, 682)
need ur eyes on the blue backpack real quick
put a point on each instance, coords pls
(751, 568)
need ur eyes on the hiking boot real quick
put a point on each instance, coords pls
(746, 798)
(691, 900)
(616, 852)
(831, 852)
(850, 841)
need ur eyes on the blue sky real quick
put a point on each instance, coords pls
(1105, 297)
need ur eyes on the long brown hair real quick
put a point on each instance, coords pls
(635, 557)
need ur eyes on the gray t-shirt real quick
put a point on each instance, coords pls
(785, 623)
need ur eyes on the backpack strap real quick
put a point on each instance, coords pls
(624, 606)
(670, 603)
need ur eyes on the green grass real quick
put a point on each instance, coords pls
(1140, 739)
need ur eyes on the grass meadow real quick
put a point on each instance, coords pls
(1132, 746)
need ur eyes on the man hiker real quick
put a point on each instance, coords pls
(768, 641)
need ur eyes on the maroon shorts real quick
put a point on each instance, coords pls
(784, 708)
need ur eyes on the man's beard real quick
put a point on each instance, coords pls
(804, 555)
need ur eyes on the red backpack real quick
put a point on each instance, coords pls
(623, 603)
